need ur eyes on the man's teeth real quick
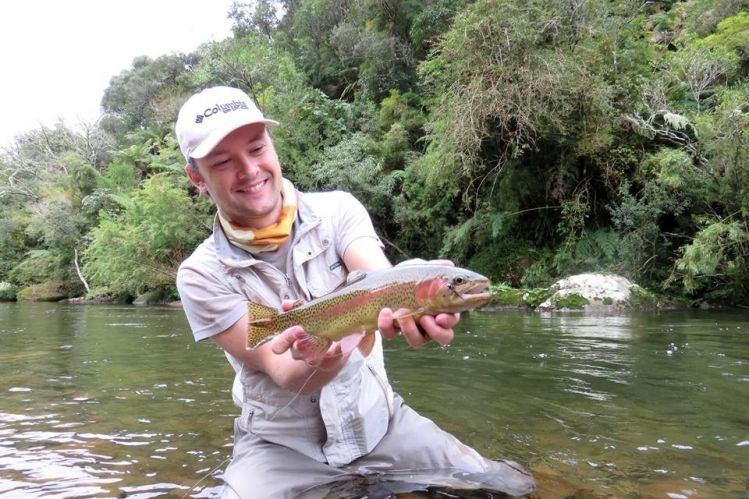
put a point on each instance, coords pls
(254, 187)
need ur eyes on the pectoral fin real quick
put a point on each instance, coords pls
(350, 342)
(367, 343)
(363, 340)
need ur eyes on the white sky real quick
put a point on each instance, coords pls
(57, 56)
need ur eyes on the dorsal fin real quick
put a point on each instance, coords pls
(261, 324)
(260, 313)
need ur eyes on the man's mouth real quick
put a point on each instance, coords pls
(254, 187)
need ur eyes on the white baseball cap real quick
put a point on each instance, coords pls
(212, 114)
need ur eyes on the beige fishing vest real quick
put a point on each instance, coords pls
(349, 416)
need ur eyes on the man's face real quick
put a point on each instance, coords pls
(243, 177)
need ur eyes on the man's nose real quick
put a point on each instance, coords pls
(247, 166)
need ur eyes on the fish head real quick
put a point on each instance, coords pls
(453, 289)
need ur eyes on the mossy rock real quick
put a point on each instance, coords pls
(642, 298)
(505, 296)
(536, 296)
(47, 291)
(570, 301)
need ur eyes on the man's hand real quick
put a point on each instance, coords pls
(438, 328)
(301, 347)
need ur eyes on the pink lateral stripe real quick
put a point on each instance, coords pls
(356, 298)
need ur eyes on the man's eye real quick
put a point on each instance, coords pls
(223, 162)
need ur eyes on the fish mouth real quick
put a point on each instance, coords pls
(473, 292)
(473, 287)
(477, 298)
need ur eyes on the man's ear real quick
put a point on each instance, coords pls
(196, 179)
(193, 175)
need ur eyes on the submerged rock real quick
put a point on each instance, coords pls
(593, 291)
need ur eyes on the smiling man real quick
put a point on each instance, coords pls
(309, 420)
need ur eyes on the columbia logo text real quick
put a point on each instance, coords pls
(225, 108)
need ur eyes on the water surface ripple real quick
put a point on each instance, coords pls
(117, 401)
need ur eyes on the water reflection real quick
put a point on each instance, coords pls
(104, 401)
(595, 349)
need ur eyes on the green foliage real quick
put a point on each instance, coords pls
(506, 295)
(700, 67)
(39, 266)
(404, 110)
(256, 17)
(56, 223)
(422, 213)
(352, 166)
(501, 76)
(733, 33)
(139, 249)
(673, 168)
(536, 296)
(148, 94)
(717, 260)
(150, 150)
(646, 252)
(726, 151)
(309, 125)
(119, 177)
(599, 250)
(310, 27)
(701, 17)
(431, 20)
(8, 291)
(541, 272)
(14, 242)
(252, 63)
(524, 139)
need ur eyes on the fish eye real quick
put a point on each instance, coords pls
(458, 280)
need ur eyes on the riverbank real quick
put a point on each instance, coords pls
(589, 292)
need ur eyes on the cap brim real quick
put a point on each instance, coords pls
(217, 135)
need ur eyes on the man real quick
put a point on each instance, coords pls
(309, 420)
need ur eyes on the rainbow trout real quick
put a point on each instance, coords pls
(423, 289)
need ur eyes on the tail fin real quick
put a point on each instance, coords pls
(261, 324)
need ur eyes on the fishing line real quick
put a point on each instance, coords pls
(296, 395)
(222, 463)
(211, 472)
(301, 388)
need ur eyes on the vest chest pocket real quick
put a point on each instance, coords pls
(324, 274)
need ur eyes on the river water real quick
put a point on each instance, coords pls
(117, 401)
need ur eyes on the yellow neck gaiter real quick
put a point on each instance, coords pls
(268, 238)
